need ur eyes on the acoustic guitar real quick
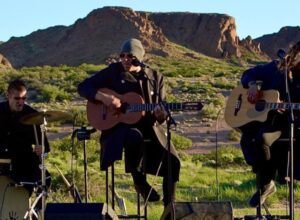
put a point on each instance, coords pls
(239, 111)
(132, 109)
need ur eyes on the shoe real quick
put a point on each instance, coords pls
(144, 190)
(267, 191)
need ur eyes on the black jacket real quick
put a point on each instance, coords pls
(152, 87)
(16, 140)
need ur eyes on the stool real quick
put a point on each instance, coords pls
(124, 215)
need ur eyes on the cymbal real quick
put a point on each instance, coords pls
(37, 118)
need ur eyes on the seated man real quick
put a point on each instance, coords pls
(130, 75)
(17, 140)
(268, 157)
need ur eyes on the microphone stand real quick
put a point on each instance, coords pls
(84, 134)
(291, 142)
(170, 121)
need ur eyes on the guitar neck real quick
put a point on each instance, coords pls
(170, 106)
(282, 105)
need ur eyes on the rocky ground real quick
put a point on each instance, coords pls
(206, 136)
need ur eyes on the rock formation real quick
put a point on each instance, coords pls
(99, 35)
(284, 39)
(4, 63)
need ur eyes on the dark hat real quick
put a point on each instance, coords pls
(135, 47)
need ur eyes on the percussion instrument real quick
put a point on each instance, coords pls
(14, 199)
(5, 166)
(41, 119)
(37, 118)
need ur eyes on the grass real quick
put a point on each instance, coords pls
(200, 179)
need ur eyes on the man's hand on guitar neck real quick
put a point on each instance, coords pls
(108, 99)
(160, 113)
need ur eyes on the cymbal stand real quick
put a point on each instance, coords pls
(43, 168)
(43, 193)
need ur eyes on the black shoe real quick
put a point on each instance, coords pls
(267, 190)
(145, 189)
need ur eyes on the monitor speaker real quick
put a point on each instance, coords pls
(199, 211)
(79, 211)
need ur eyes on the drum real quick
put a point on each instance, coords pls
(14, 199)
(5, 166)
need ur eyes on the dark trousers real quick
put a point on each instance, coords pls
(135, 161)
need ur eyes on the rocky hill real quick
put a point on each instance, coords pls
(99, 35)
(284, 39)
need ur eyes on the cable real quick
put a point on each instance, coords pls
(217, 177)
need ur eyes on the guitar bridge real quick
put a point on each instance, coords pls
(238, 105)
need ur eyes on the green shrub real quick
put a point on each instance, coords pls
(180, 142)
(50, 93)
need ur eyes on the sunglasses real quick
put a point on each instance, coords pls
(19, 98)
(129, 55)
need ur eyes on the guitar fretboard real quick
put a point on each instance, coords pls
(170, 106)
(284, 105)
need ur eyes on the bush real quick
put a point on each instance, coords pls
(180, 142)
(51, 93)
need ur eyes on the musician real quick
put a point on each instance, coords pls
(130, 75)
(267, 156)
(17, 140)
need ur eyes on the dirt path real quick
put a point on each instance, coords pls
(202, 134)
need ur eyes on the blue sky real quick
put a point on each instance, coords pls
(254, 18)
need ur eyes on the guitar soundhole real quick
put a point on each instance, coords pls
(260, 105)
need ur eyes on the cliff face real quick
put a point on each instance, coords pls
(211, 34)
(100, 34)
(284, 39)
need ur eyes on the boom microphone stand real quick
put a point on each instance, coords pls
(170, 121)
(84, 134)
(282, 55)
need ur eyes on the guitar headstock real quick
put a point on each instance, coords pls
(192, 106)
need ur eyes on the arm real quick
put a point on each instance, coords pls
(263, 73)
(89, 88)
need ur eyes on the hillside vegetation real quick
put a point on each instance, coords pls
(189, 76)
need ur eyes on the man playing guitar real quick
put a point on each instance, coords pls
(267, 157)
(123, 77)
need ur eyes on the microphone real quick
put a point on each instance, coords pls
(91, 131)
(136, 62)
(84, 134)
(281, 54)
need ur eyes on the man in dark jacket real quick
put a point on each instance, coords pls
(130, 75)
(17, 140)
(269, 158)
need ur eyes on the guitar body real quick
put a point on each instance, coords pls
(239, 111)
(102, 117)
